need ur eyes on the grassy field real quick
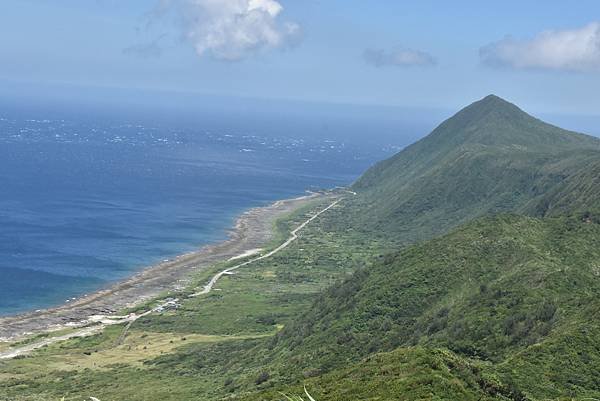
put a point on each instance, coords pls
(243, 312)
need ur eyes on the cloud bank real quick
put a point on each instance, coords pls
(566, 50)
(232, 30)
(401, 57)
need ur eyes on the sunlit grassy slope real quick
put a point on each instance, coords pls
(491, 157)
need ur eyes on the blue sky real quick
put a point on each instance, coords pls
(430, 54)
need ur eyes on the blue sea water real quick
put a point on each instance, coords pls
(86, 203)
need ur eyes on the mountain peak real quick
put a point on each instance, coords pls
(493, 121)
(490, 156)
(493, 98)
(496, 102)
(492, 106)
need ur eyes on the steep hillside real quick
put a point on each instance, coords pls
(491, 157)
(514, 291)
(509, 292)
(406, 374)
(497, 308)
(578, 191)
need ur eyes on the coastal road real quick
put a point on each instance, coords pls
(130, 319)
(209, 287)
(293, 237)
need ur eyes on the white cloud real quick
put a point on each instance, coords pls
(232, 29)
(401, 57)
(568, 50)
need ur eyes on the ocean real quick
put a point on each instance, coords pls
(87, 202)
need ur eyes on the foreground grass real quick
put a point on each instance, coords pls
(408, 374)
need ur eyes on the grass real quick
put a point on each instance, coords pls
(406, 374)
(138, 347)
(485, 313)
(299, 398)
(489, 158)
(249, 309)
(513, 291)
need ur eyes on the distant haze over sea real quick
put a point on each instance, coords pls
(96, 189)
(90, 196)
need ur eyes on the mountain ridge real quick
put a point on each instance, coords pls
(462, 128)
(471, 127)
(495, 218)
(490, 157)
(512, 291)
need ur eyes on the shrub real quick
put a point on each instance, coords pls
(263, 377)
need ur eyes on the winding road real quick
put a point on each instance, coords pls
(104, 321)
(294, 236)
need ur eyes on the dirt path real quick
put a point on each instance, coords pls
(86, 331)
(25, 349)
(96, 326)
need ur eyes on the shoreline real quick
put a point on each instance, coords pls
(253, 230)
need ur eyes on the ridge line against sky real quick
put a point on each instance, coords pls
(424, 53)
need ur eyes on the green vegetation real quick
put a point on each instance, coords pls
(467, 267)
(413, 373)
(489, 158)
(494, 290)
(241, 315)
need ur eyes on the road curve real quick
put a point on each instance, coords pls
(293, 236)
(131, 318)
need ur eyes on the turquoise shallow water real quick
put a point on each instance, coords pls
(85, 204)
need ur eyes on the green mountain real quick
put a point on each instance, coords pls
(491, 157)
(514, 292)
(508, 288)
(407, 374)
